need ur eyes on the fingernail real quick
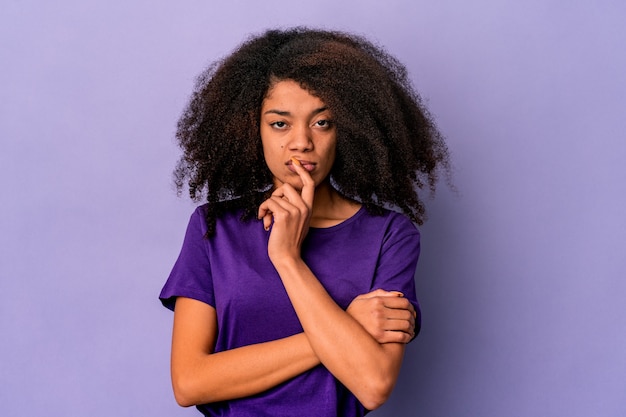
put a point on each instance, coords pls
(295, 161)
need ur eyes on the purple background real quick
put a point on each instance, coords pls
(523, 272)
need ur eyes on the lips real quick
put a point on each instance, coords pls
(308, 165)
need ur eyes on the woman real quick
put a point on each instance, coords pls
(294, 291)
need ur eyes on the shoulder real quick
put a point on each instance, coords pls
(226, 213)
(225, 209)
(382, 228)
(389, 221)
(397, 233)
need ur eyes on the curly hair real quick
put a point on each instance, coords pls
(388, 146)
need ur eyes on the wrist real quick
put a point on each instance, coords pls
(286, 263)
(289, 266)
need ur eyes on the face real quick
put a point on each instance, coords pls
(296, 124)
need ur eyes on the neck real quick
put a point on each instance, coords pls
(330, 208)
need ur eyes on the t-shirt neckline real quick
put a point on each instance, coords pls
(341, 225)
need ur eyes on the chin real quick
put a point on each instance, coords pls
(296, 183)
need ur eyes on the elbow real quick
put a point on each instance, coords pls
(373, 402)
(183, 401)
(190, 387)
(372, 405)
(184, 392)
(375, 394)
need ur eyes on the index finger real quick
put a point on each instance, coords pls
(381, 293)
(308, 185)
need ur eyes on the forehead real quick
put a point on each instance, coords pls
(290, 93)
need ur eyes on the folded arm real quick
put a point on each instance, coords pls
(201, 376)
(366, 367)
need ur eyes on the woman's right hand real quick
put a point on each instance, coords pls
(288, 212)
(386, 315)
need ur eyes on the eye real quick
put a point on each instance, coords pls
(324, 123)
(278, 125)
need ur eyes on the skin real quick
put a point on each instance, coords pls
(362, 346)
(296, 126)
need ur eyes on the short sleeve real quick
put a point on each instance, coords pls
(191, 275)
(398, 261)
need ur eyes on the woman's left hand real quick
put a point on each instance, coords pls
(386, 315)
(288, 212)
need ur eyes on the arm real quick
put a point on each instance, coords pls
(201, 376)
(367, 368)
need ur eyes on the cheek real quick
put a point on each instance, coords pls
(273, 158)
(269, 150)
(331, 153)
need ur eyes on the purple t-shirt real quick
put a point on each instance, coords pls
(232, 272)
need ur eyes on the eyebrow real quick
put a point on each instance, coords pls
(286, 113)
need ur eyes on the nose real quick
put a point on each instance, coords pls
(300, 139)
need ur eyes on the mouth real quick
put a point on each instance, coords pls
(308, 165)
